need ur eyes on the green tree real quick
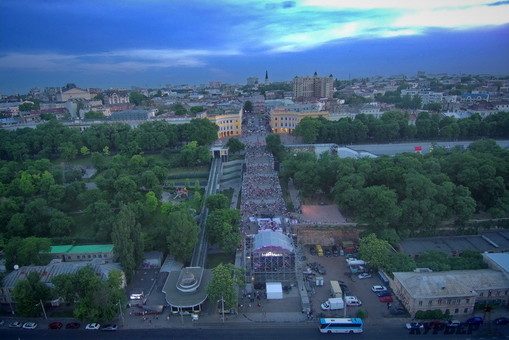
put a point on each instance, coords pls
(308, 129)
(179, 109)
(248, 106)
(136, 98)
(275, 146)
(400, 263)
(217, 201)
(28, 251)
(196, 109)
(223, 229)
(235, 145)
(183, 235)
(434, 260)
(128, 245)
(151, 201)
(380, 206)
(94, 115)
(224, 284)
(28, 295)
(374, 250)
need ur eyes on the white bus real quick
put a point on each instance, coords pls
(341, 325)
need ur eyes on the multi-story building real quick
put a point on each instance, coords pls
(313, 87)
(116, 97)
(229, 123)
(427, 97)
(286, 119)
(455, 292)
(73, 93)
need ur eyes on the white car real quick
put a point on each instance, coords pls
(414, 325)
(364, 276)
(93, 326)
(15, 324)
(377, 289)
(29, 325)
(352, 301)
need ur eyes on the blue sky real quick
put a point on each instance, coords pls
(151, 43)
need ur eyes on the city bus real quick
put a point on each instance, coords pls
(341, 325)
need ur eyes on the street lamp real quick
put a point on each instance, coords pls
(43, 309)
(222, 306)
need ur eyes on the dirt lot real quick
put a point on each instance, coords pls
(336, 268)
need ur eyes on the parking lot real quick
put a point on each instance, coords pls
(336, 269)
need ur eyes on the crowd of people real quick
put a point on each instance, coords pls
(261, 191)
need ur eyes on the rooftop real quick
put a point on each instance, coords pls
(451, 283)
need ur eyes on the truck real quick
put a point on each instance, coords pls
(333, 304)
(336, 291)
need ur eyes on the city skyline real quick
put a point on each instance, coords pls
(153, 43)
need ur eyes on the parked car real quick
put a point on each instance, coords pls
(414, 325)
(378, 288)
(109, 327)
(55, 325)
(328, 253)
(364, 276)
(383, 293)
(436, 324)
(29, 325)
(352, 301)
(453, 323)
(476, 320)
(397, 311)
(15, 324)
(345, 289)
(312, 250)
(335, 251)
(93, 326)
(501, 321)
(73, 325)
(386, 299)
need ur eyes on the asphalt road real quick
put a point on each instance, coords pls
(250, 332)
(392, 149)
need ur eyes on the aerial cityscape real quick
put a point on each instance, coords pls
(248, 169)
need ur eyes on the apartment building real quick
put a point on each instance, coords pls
(229, 123)
(286, 119)
(313, 87)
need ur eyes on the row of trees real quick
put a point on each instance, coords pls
(394, 126)
(94, 299)
(377, 251)
(52, 139)
(409, 192)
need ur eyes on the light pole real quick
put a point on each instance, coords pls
(43, 310)
(222, 306)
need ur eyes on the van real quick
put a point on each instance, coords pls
(319, 250)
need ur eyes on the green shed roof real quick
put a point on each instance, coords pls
(92, 248)
(60, 249)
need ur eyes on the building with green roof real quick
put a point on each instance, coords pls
(69, 253)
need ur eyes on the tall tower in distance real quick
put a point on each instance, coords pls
(267, 82)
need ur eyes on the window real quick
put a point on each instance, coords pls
(420, 303)
(439, 301)
(468, 300)
(430, 302)
(481, 294)
(465, 311)
(456, 311)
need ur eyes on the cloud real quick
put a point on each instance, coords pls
(111, 61)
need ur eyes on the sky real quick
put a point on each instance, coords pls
(152, 43)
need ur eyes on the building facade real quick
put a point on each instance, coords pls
(116, 97)
(455, 292)
(285, 120)
(230, 124)
(313, 87)
(73, 93)
(70, 253)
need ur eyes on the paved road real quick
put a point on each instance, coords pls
(392, 149)
(255, 332)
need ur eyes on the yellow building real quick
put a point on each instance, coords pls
(285, 120)
(230, 124)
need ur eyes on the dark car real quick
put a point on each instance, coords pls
(476, 320)
(501, 321)
(312, 250)
(436, 324)
(55, 325)
(383, 293)
(328, 253)
(345, 289)
(397, 311)
(335, 251)
(109, 327)
(73, 325)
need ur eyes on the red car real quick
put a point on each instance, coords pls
(386, 299)
(55, 325)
